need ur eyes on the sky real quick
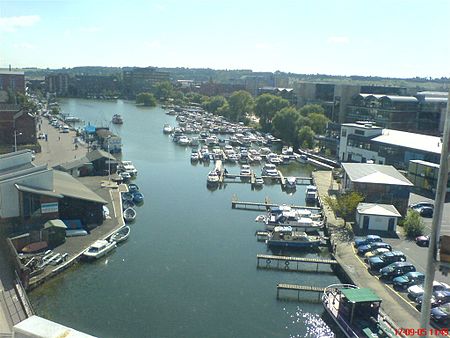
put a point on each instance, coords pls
(390, 38)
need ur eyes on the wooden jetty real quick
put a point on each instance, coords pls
(284, 262)
(235, 204)
(300, 288)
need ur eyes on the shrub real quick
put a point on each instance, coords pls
(413, 225)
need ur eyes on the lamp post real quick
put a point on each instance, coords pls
(15, 139)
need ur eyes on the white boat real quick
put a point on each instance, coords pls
(245, 171)
(121, 235)
(129, 167)
(311, 194)
(117, 119)
(213, 178)
(259, 182)
(269, 170)
(184, 140)
(292, 220)
(167, 129)
(286, 237)
(129, 214)
(99, 249)
(194, 156)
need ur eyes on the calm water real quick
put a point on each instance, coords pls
(189, 267)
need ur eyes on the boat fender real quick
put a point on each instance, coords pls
(268, 261)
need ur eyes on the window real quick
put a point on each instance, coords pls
(359, 132)
(344, 133)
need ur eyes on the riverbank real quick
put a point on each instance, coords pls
(403, 315)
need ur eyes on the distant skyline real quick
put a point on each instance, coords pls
(395, 38)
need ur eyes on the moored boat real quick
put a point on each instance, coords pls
(133, 187)
(98, 249)
(311, 194)
(167, 129)
(291, 183)
(120, 235)
(213, 178)
(117, 119)
(129, 214)
(138, 197)
(357, 311)
(286, 237)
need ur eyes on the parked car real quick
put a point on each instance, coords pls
(437, 299)
(423, 240)
(396, 269)
(375, 252)
(363, 249)
(421, 204)
(417, 290)
(408, 279)
(425, 211)
(441, 314)
(378, 262)
(367, 240)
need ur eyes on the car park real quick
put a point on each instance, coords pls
(408, 279)
(363, 249)
(375, 252)
(396, 269)
(441, 314)
(367, 240)
(378, 262)
(438, 298)
(423, 240)
(416, 291)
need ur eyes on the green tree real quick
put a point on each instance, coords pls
(284, 124)
(240, 103)
(213, 104)
(147, 99)
(311, 108)
(266, 106)
(345, 205)
(318, 122)
(413, 224)
(305, 137)
(163, 90)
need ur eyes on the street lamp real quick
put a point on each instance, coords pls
(15, 139)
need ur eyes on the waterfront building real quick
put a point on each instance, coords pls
(378, 183)
(31, 195)
(285, 93)
(95, 163)
(424, 176)
(376, 217)
(94, 86)
(11, 82)
(258, 80)
(17, 126)
(57, 84)
(138, 80)
(363, 141)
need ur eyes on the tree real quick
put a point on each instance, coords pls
(240, 103)
(305, 137)
(413, 224)
(284, 124)
(345, 205)
(163, 90)
(147, 99)
(213, 104)
(318, 122)
(266, 106)
(311, 108)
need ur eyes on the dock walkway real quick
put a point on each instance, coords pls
(290, 263)
(299, 289)
(235, 204)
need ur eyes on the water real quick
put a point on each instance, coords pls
(189, 266)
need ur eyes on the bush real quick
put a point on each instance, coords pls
(413, 224)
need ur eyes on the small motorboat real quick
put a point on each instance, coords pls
(132, 187)
(138, 197)
(167, 129)
(127, 196)
(120, 235)
(75, 232)
(291, 183)
(117, 119)
(127, 204)
(213, 178)
(129, 214)
(259, 182)
(286, 237)
(99, 248)
(311, 194)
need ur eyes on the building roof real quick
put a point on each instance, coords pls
(57, 223)
(378, 209)
(375, 173)
(81, 162)
(426, 163)
(432, 99)
(98, 153)
(433, 94)
(362, 295)
(37, 191)
(9, 107)
(398, 98)
(426, 143)
(10, 72)
(68, 186)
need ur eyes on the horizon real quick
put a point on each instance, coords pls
(354, 38)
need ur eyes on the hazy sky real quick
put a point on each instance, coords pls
(395, 38)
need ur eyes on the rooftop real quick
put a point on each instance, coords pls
(375, 173)
(68, 186)
(415, 141)
(362, 295)
(378, 209)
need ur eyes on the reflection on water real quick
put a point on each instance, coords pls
(314, 324)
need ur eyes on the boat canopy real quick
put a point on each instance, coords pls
(362, 295)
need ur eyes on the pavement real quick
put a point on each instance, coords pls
(393, 304)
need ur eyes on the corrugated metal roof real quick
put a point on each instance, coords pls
(362, 295)
(375, 173)
(378, 209)
(73, 164)
(405, 139)
(68, 186)
(396, 98)
(98, 153)
(37, 191)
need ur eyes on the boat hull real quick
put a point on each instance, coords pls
(293, 244)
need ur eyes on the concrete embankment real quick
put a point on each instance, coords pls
(353, 269)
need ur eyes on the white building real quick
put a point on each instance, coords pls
(379, 217)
